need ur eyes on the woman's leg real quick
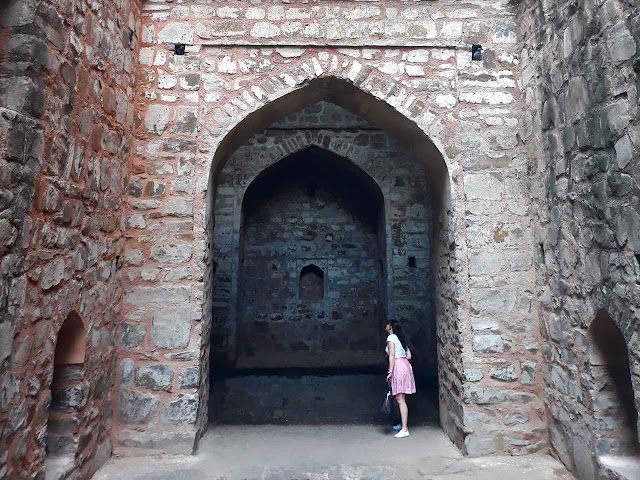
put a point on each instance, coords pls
(404, 410)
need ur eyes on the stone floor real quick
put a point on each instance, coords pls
(337, 452)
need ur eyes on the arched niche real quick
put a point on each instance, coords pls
(445, 222)
(612, 395)
(69, 394)
(71, 344)
(307, 211)
(311, 283)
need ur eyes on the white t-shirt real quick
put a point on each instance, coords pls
(400, 351)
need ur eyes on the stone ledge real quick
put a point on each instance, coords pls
(136, 444)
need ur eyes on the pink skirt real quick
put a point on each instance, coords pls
(402, 380)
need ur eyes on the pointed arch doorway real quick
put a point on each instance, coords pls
(372, 135)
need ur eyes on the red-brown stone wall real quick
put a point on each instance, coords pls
(409, 67)
(67, 70)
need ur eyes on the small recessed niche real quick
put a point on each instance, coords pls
(476, 52)
(311, 283)
(180, 49)
(412, 262)
(70, 347)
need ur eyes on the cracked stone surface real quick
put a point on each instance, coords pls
(336, 452)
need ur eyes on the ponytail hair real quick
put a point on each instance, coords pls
(399, 332)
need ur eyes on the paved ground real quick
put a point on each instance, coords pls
(338, 452)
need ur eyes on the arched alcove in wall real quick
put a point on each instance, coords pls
(429, 251)
(311, 283)
(611, 395)
(69, 393)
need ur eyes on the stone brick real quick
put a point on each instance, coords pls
(53, 274)
(179, 208)
(528, 373)
(186, 120)
(172, 443)
(145, 295)
(132, 335)
(516, 418)
(478, 444)
(473, 374)
(488, 343)
(171, 253)
(156, 119)
(177, 32)
(189, 377)
(171, 327)
(126, 371)
(483, 186)
(181, 411)
(135, 407)
(504, 373)
(620, 42)
(154, 377)
(6, 340)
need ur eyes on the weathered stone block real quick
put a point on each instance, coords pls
(486, 396)
(168, 254)
(6, 342)
(189, 377)
(177, 32)
(172, 443)
(144, 295)
(504, 373)
(528, 373)
(516, 418)
(186, 120)
(488, 343)
(132, 335)
(154, 377)
(156, 119)
(473, 374)
(181, 411)
(135, 407)
(179, 208)
(126, 371)
(52, 274)
(480, 444)
(171, 327)
(620, 43)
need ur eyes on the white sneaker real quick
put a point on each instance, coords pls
(397, 427)
(402, 434)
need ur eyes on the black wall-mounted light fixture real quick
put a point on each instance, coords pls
(179, 49)
(476, 53)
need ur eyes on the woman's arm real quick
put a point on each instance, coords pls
(392, 358)
(408, 354)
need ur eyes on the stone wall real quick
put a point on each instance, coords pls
(66, 75)
(580, 74)
(415, 79)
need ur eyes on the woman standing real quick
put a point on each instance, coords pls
(400, 373)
